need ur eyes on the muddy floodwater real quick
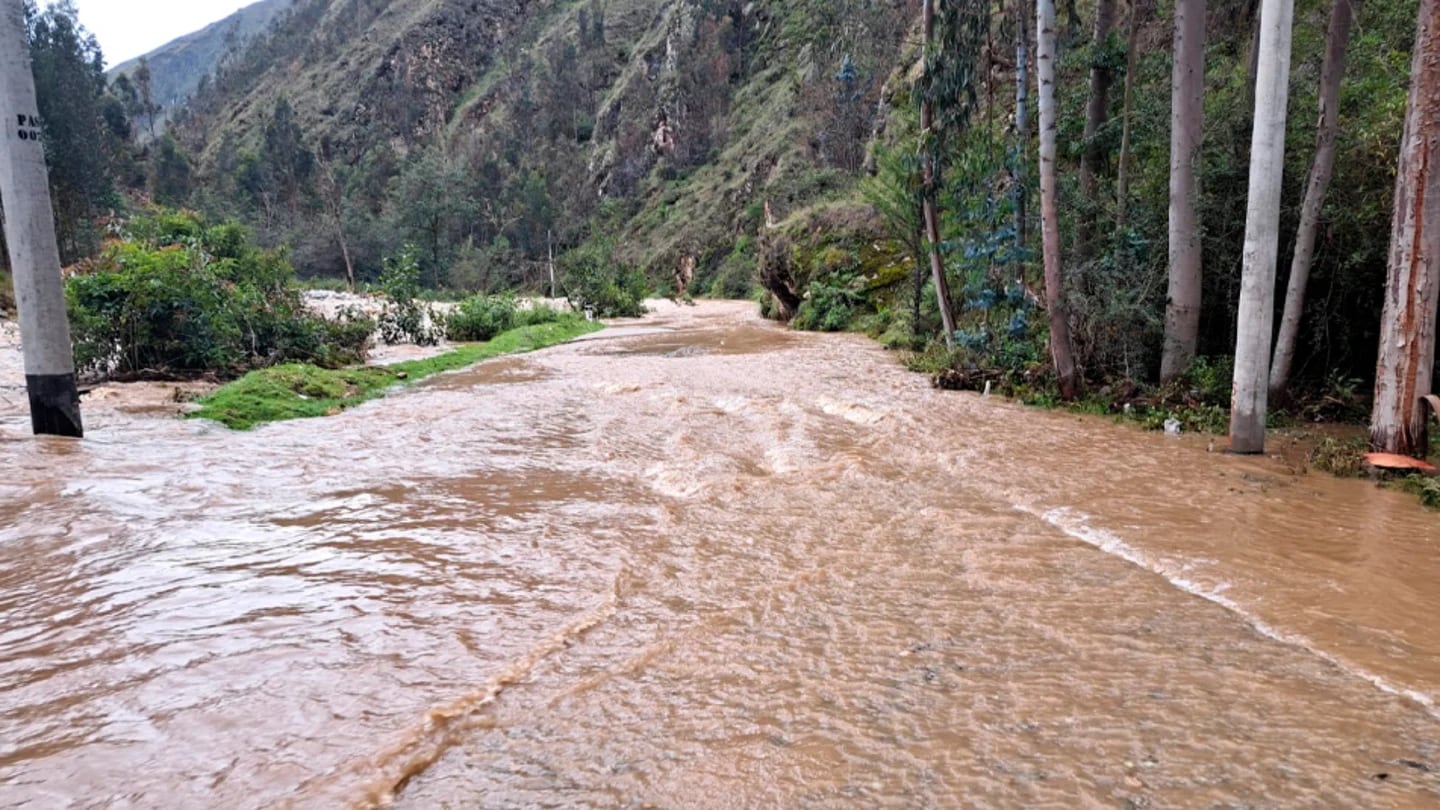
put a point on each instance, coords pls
(701, 562)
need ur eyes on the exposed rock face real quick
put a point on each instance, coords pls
(698, 106)
(178, 67)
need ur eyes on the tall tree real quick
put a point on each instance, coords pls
(1139, 10)
(332, 198)
(1187, 87)
(930, 176)
(69, 83)
(1060, 346)
(955, 37)
(1022, 125)
(1096, 111)
(284, 156)
(145, 88)
(170, 175)
(1262, 230)
(1337, 36)
(1407, 327)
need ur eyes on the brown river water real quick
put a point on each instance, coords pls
(703, 562)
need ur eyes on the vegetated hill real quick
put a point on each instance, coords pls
(177, 67)
(656, 131)
(666, 123)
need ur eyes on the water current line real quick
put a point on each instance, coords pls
(1076, 525)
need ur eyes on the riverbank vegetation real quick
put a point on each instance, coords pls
(1068, 214)
(1125, 295)
(302, 391)
(177, 296)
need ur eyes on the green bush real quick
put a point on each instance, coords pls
(183, 296)
(828, 309)
(480, 318)
(1340, 457)
(345, 341)
(406, 319)
(592, 279)
(537, 314)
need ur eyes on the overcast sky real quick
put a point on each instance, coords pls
(129, 28)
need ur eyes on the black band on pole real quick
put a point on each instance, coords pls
(54, 405)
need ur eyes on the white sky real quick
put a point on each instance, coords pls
(129, 28)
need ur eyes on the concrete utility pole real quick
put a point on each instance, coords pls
(30, 235)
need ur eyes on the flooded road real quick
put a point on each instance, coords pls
(703, 562)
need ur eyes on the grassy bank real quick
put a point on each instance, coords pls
(301, 391)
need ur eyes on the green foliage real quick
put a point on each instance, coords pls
(406, 319)
(1341, 457)
(934, 359)
(297, 391)
(7, 294)
(482, 317)
(952, 79)
(1208, 381)
(828, 308)
(182, 296)
(170, 180)
(539, 313)
(345, 340)
(86, 138)
(1430, 493)
(594, 281)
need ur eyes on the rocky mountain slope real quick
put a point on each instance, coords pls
(668, 122)
(178, 67)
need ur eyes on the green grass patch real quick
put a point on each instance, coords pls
(302, 391)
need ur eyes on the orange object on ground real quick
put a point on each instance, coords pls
(1391, 461)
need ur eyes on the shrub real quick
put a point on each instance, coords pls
(345, 340)
(828, 309)
(537, 314)
(406, 319)
(1430, 493)
(480, 318)
(182, 296)
(592, 279)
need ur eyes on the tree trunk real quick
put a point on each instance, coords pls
(1407, 327)
(1262, 231)
(1022, 127)
(1060, 348)
(345, 254)
(1187, 87)
(1096, 111)
(333, 195)
(1122, 179)
(1337, 36)
(929, 137)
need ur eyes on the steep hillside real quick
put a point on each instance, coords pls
(664, 122)
(654, 133)
(177, 67)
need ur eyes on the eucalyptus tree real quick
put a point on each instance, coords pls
(1262, 231)
(1187, 88)
(1061, 351)
(930, 147)
(1337, 37)
(1096, 112)
(1407, 326)
(1139, 11)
